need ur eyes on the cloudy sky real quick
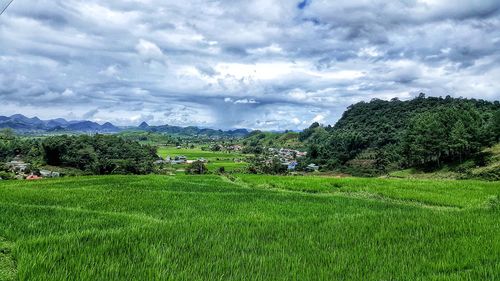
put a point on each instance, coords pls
(264, 64)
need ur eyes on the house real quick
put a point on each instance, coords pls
(202, 160)
(235, 147)
(49, 174)
(292, 166)
(301, 154)
(17, 165)
(33, 177)
(181, 157)
(179, 160)
(312, 167)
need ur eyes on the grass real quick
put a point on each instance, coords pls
(248, 228)
(461, 194)
(7, 264)
(413, 173)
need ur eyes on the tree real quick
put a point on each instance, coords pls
(7, 134)
(304, 135)
(459, 139)
(496, 125)
(99, 154)
(197, 168)
(442, 135)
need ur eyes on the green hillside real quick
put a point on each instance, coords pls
(272, 139)
(248, 228)
(426, 133)
(489, 168)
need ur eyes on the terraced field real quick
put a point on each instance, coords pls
(249, 228)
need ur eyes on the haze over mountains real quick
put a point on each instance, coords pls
(23, 124)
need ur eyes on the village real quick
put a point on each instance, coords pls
(178, 160)
(289, 158)
(223, 155)
(23, 170)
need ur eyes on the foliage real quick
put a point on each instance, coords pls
(98, 154)
(4, 175)
(442, 135)
(263, 165)
(257, 140)
(423, 132)
(196, 168)
(496, 125)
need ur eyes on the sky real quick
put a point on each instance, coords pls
(263, 64)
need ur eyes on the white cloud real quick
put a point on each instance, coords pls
(148, 50)
(318, 118)
(110, 71)
(256, 64)
(246, 101)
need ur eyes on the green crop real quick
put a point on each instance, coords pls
(248, 228)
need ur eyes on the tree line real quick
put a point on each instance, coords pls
(96, 154)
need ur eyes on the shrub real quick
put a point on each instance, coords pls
(6, 175)
(197, 168)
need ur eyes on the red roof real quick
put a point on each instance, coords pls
(33, 177)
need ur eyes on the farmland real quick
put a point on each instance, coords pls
(216, 159)
(248, 227)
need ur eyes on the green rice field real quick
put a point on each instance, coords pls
(215, 159)
(249, 227)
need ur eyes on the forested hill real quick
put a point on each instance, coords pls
(383, 122)
(425, 132)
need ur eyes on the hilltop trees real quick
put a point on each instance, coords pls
(424, 132)
(443, 134)
(496, 125)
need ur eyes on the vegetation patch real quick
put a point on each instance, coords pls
(7, 263)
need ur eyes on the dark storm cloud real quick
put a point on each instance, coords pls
(260, 64)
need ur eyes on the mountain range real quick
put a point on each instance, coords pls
(23, 124)
(191, 131)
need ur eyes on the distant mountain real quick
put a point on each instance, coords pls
(57, 122)
(23, 124)
(89, 126)
(144, 125)
(193, 131)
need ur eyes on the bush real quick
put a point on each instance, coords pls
(197, 168)
(259, 165)
(6, 175)
(493, 203)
